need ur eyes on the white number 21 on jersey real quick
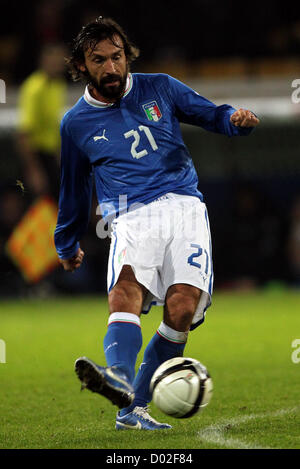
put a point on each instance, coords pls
(135, 134)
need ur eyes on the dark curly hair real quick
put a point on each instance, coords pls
(89, 36)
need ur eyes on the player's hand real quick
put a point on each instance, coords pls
(74, 262)
(244, 118)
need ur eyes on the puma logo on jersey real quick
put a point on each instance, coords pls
(99, 137)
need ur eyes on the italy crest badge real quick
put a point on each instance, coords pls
(152, 111)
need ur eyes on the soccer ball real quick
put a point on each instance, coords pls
(181, 387)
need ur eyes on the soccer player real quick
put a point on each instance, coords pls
(125, 132)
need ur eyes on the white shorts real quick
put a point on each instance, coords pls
(166, 242)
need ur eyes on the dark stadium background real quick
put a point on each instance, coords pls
(242, 53)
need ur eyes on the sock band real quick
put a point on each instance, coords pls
(124, 317)
(171, 335)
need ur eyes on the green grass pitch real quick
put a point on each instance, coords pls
(245, 342)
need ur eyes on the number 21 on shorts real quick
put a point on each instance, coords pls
(197, 254)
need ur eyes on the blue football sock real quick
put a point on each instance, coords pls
(165, 344)
(123, 342)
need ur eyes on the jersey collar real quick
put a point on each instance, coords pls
(94, 102)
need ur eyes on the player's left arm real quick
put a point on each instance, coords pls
(191, 108)
(244, 118)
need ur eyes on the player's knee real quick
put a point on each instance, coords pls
(125, 297)
(179, 312)
(180, 307)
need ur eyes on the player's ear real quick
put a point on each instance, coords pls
(82, 67)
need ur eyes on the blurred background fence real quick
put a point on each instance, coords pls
(247, 56)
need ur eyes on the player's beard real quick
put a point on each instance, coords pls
(113, 91)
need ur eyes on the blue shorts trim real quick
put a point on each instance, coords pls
(113, 269)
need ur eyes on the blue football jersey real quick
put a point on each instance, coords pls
(133, 149)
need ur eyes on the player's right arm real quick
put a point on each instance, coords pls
(71, 264)
(74, 201)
